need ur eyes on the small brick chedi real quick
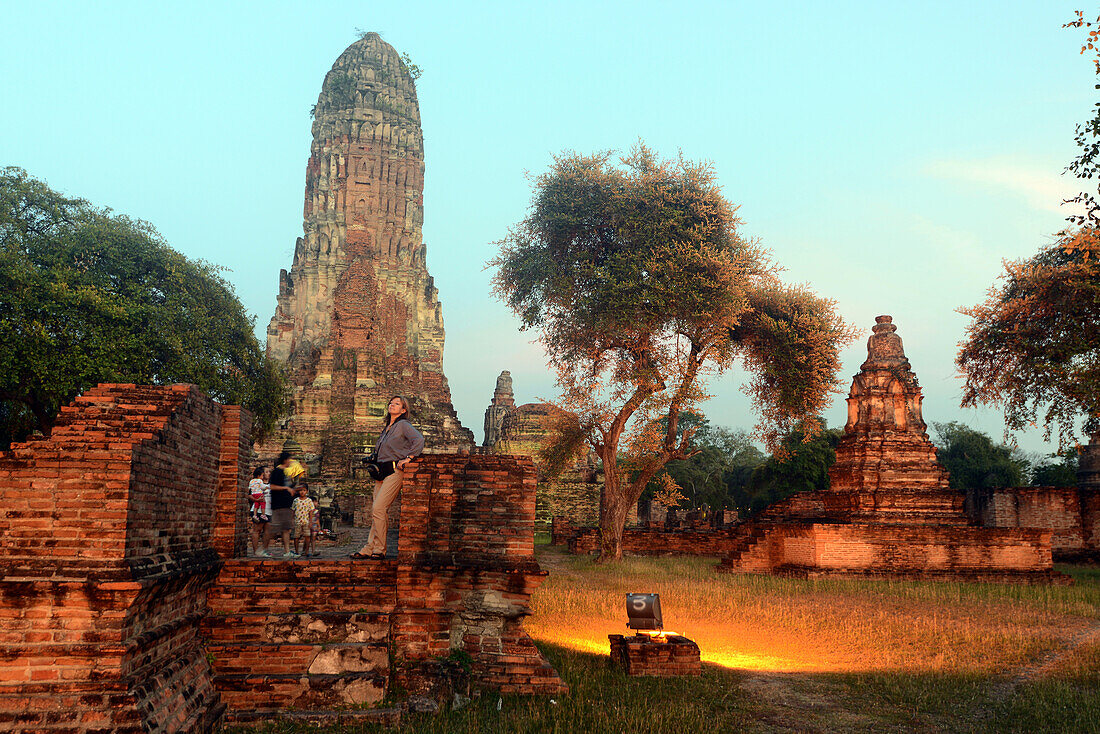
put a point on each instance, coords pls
(358, 317)
(888, 509)
(126, 603)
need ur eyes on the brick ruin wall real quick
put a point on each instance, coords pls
(648, 541)
(924, 552)
(126, 605)
(1071, 514)
(576, 501)
(114, 526)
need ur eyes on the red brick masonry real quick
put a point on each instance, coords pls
(121, 608)
(647, 542)
(668, 656)
(110, 546)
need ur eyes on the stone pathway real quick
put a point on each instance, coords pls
(350, 539)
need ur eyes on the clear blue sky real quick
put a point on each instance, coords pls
(890, 155)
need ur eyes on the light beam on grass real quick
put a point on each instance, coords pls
(734, 652)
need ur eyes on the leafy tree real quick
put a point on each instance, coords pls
(975, 462)
(642, 287)
(1033, 346)
(1061, 473)
(1086, 166)
(87, 296)
(718, 473)
(800, 464)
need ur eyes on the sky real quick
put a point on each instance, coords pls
(890, 155)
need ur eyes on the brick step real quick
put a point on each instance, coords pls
(68, 707)
(307, 659)
(944, 575)
(290, 598)
(535, 679)
(302, 692)
(253, 571)
(305, 628)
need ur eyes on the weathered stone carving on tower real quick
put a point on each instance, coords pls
(358, 317)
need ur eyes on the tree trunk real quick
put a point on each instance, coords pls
(614, 507)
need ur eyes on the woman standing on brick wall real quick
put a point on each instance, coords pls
(397, 445)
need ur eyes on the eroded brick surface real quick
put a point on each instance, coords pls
(673, 655)
(1071, 514)
(119, 613)
(112, 527)
(307, 634)
(650, 541)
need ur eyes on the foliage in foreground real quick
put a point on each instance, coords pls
(975, 462)
(87, 296)
(718, 473)
(801, 465)
(641, 286)
(1033, 346)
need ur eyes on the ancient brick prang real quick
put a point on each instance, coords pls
(358, 317)
(503, 401)
(888, 510)
(885, 443)
(113, 528)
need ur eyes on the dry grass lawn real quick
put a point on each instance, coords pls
(785, 655)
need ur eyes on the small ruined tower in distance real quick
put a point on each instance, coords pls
(503, 402)
(358, 318)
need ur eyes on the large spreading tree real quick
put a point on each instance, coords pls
(87, 296)
(635, 274)
(1033, 346)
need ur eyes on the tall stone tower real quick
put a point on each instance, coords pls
(358, 317)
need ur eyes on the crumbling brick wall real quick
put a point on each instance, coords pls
(646, 541)
(122, 580)
(1071, 514)
(928, 552)
(111, 541)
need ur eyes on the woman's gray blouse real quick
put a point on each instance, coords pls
(399, 441)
